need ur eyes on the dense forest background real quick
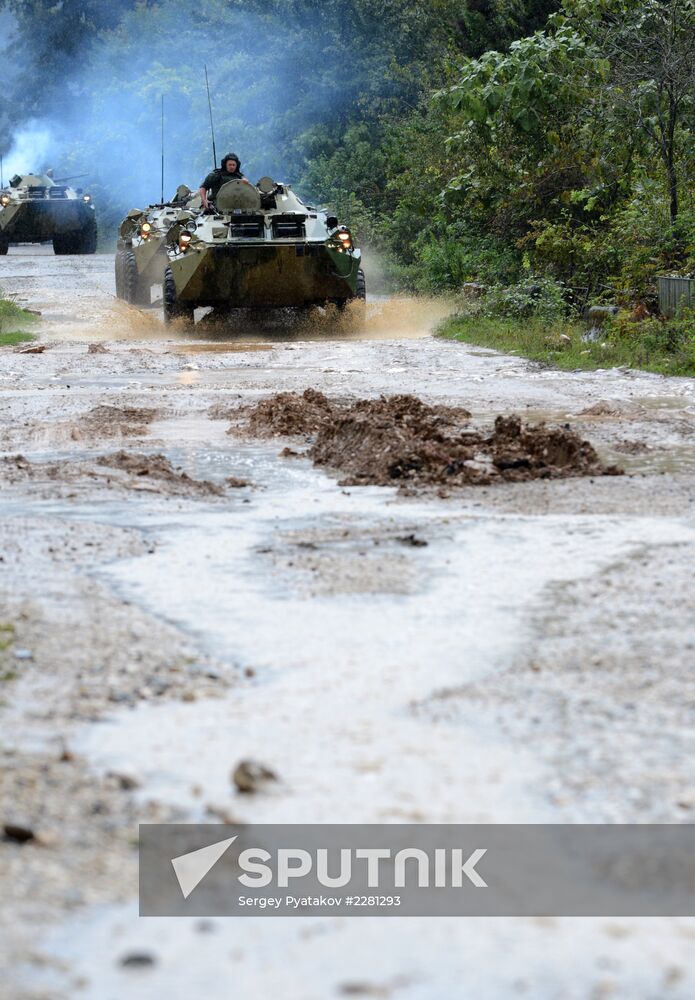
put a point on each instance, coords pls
(466, 140)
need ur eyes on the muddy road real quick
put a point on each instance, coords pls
(179, 594)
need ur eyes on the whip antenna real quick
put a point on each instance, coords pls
(212, 127)
(162, 198)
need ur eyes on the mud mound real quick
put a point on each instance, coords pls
(410, 411)
(114, 421)
(401, 440)
(529, 452)
(157, 467)
(132, 471)
(15, 467)
(223, 411)
(289, 414)
(601, 409)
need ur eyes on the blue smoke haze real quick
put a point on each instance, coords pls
(272, 80)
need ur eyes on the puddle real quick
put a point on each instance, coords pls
(226, 347)
(654, 401)
(676, 459)
(335, 674)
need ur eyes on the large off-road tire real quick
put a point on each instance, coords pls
(4, 247)
(83, 241)
(361, 292)
(64, 244)
(86, 240)
(119, 268)
(358, 303)
(173, 309)
(135, 290)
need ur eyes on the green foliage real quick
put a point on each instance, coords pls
(541, 298)
(672, 340)
(576, 144)
(12, 321)
(668, 348)
(462, 140)
(460, 256)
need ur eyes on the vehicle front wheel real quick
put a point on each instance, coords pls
(4, 247)
(119, 267)
(64, 245)
(174, 309)
(361, 291)
(86, 241)
(135, 290)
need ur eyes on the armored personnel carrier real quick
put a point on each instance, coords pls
(37, 209)
(260, 247)
(141, 257)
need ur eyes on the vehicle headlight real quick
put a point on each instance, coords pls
(5, 200)
(145, 229)
(86, 198)
(345, 239)
(185, 241)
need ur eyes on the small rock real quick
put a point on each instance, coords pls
(222, 814)
(565, 339)
(205, 926)
(412, 540)
(97, 349)
(236, 484)
(34, 349)
(250, 776)
(23, 654)
(359, 989)
(126, 782)
(138, 960)
(120, 697)
(18, 833)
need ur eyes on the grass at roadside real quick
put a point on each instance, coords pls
(667, 346)
(13, 321)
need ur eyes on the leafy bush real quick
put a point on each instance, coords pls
(656, 336)
(541, 298)
(13, 319)
(458, 256)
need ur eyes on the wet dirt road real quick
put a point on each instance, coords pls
(519, 652)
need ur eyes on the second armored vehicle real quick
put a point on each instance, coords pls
(37, 209)
(261, 248)
(141, 257)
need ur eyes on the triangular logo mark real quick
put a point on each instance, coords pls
(192, 868)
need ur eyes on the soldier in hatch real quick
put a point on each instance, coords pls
(229, 170)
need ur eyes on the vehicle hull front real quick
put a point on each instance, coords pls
(265, 275)
(40, 220)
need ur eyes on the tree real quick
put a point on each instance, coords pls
(650, 45)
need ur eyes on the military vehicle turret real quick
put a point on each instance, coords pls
(141, 257)
(37, 209)
(260, 247)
